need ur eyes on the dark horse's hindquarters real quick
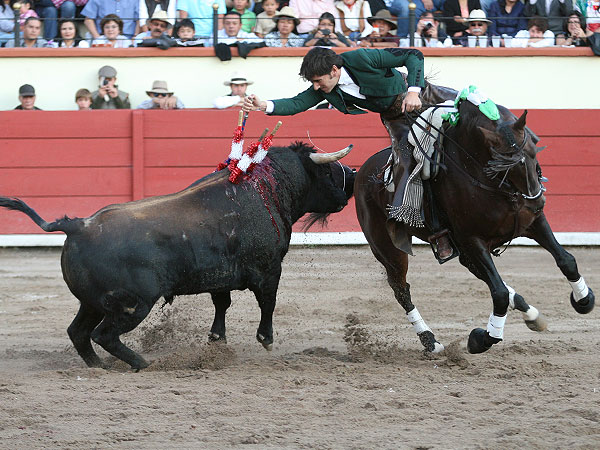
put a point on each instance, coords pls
(490, 193)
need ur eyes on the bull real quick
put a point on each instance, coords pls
(212, 237)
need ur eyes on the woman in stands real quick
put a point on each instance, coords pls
(574, 31)
(283, 36)
(68, 36)
(112, 29)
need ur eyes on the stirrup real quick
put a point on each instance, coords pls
(433, 241)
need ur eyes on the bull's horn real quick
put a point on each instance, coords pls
(323, 158)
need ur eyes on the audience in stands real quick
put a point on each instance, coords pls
(26, 11)
(156, 27)
(284, 36)
(27, 98)
(83, 98)
(382, 36)
(68, 36)
(185, 34)
(428, 33)
(590, 9)
(265, 21)
(108, 95)
(238, 83)
(507, 17)
(161, 98)
(112, 29)
(31, 35)
(309, 11)
(457, 13)
(49, 11)
(353, 18)
(96, 11)
(231, 35)
(399, 8)
(476, 34)
(147, 8)
(325, 35)
(248, 17)
(536, 35)
(574, 32)
(7, 22)
(554, 11)
(201, 13)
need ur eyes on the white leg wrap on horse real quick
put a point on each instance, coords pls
(531, 314)
(580, 289)
(417, 321)
(511, 296)
(495, 326)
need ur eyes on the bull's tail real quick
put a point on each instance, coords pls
(65, 225)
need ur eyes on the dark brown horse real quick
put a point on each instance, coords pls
(489, 193)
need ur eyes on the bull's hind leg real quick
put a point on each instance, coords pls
(222, 301)
(582, 297)
(80, 331)
(124, 312)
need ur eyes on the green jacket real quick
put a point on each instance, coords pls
(373, 70)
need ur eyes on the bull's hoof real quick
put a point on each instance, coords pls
(215, 337)
(538, 324)
(267, 342)
(140, 364)
(480, 341)
(428, 340)
(585, 305)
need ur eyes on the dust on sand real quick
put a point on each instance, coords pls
(347, 371)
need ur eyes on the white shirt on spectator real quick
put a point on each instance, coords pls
(242, 36)
(122, 41)
(521, 40)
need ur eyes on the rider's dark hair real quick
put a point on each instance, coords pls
(319, 61)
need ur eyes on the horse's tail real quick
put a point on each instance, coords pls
(65, 225)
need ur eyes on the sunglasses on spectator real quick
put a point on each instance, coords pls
(154, 94)
(477, 24)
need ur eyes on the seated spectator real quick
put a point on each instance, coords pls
(27, 98)
(156, 27)
(161, 98)
(184, 34)
(265, 22)
(238, 83)
(308, 11)
(456, 13)
(112, 29)
(7, 22)
(590, 9)
(49, 11)
(554, 11)
(248, 17)
(325, 36)
(399, 8)
(108, 96)
(284, 36)
(574, 32)
(428, 33)
(31, 34)
(201, 13)
(232, 35)
(507, 17)
(68, 36)
(477, 26)
(353, 18)
(381, 36)
(83, 98)
(536, 35)
(96, 11)
(26, 11)
(147, 8)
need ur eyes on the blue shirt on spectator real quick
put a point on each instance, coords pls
(201, 13)
(506, 23)
(127, 10)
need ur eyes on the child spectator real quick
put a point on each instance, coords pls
(381, 36)
(574, 32)
(265, 22)
(353, 18)
(112, 29)
(27, 98)
(507, 17)
(26, 12)
(248, 17)
(83, 98)
(590, 9)
(325, 35)
(201, 13)
(536, 35)
(284, 36)
(68, 36)
(184, 34)
(161, 98)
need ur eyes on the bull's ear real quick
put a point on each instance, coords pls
(491, 138)
(520, 123)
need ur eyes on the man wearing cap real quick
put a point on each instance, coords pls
(161, 98)
(31, 34)
(158, 28)
(238, 84)
(108, 96)
(27, 98)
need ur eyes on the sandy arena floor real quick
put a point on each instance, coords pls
(347, 371)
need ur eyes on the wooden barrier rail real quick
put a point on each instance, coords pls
(74, 163)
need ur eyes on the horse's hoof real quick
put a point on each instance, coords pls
(585, 305)
(437, 347)
(214, 337)
(428, 340)
(267, 343)
(480, 341)
(539, 324)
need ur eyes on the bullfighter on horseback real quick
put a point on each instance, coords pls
(364, 80)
